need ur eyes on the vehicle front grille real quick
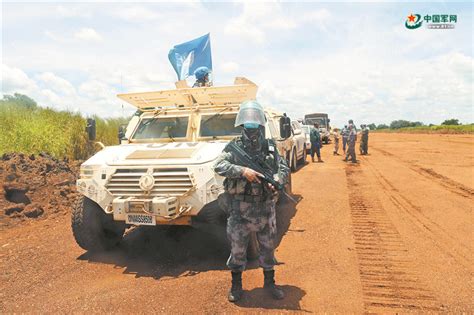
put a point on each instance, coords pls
(168, 182)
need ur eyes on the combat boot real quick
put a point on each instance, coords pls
(270, 286)
(319, 160)
(312, 159)
(236, 291)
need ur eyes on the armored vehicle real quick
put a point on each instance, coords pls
(161, 172)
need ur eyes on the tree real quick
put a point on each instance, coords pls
(397, 124)
(382, 126)
(452, 122)
(19, 100)
(372, 126)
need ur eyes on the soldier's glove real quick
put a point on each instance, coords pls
(251, 175)
(273, 189)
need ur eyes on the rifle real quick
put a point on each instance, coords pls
(246, 160)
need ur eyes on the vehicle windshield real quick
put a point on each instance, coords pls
(320, 121)
(162, 128)
(218, 125)
(305, 128)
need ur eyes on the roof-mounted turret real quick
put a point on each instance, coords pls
(185, 97)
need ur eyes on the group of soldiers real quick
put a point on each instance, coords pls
(349, 139)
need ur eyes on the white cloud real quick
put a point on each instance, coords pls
(71, 10)
(319, 18)
(88, 34)
(15, 80)
(258, 18)
(57, 84)
(229, 67)
(356, 86)
(135, 13)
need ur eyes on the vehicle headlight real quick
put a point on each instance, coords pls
(87, 172)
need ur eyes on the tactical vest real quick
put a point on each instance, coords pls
(241, 188)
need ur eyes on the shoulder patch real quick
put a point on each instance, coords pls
(271, 148)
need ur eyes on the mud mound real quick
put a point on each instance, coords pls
(35, 187)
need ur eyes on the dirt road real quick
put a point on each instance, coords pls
(390, 234)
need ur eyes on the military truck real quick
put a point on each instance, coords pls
(161, 172)
(323, 121)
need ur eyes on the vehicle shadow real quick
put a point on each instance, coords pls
(258, 298)
(164, 252)
(178, 251)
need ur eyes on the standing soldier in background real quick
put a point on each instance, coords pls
(364, 140)
(251, 201)
(336, 141)
(345, 135)
(351, 144)
(202, 77)
(315, 139)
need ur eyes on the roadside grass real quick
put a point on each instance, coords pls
(32, 130)
(440, 129)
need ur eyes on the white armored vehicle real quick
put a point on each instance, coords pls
(161, 173)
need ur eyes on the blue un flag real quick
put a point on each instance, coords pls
(187, 57)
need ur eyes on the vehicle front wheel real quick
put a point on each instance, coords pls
(303, 158)
(93, 229)
(294, 165)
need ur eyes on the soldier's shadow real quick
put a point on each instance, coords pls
(285, 213)
(258, 298)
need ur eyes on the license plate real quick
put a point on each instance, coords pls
(140, 219)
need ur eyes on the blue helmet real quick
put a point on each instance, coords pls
(251, 115)
(201, 72)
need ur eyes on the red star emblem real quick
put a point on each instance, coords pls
(411, 18)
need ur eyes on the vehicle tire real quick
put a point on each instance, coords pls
(294, 162)
(302, 161)
(282, 198)
(93, 229)
(288, 186)
(253, 248)
(212, 213)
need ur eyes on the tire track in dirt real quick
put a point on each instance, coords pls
(438, 235)
(389, 283)
(452, 185)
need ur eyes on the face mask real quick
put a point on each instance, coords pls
(253, 135)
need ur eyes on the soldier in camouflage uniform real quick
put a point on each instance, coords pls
(364, 140)
(251, 201)
(351, 141)
(345, 136)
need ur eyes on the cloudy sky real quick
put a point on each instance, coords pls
(352, 60)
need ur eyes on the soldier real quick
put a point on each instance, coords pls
(351, 144)
(315, 139)
(336, 141)
(251, 200)
(345, 135)
(364, 140)
(202, 77)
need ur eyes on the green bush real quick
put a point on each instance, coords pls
(452, 129)
(30, 129)
(451, 122)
